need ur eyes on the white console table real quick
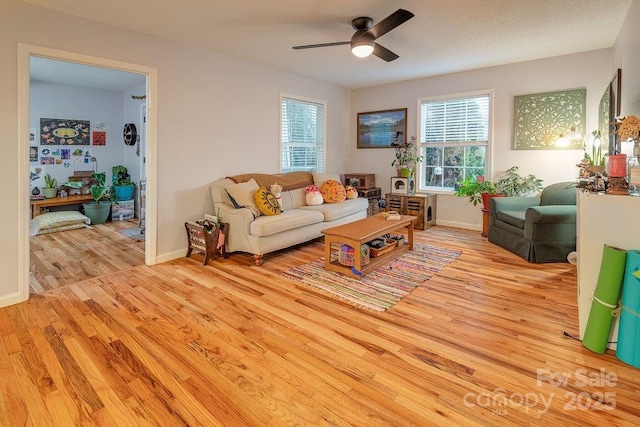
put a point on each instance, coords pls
(602, 219)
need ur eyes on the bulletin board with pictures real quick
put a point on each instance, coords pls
(63, 144)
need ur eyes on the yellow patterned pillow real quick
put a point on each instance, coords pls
(267, 202)
(333, 191)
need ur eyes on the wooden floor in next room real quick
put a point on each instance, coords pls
(67, 257)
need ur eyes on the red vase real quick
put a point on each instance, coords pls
(486, 197)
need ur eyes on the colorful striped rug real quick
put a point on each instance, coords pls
(382, 288)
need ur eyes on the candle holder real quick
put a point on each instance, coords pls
(617, 171)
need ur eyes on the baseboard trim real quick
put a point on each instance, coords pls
(169, 256)
(11, 299)
(463, 225)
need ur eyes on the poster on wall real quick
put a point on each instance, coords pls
(64, 132)
(33, 154)
(99, 137)
(36, 177)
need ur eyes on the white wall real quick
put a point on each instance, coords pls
(53, 100)
(590, 70)
(627, 57)
(217, 116)
(131, 159)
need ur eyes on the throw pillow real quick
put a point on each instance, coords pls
(313, 196)
(352, 193)
(333, 191)
(267, 202)
(242, 194)
(321, 178)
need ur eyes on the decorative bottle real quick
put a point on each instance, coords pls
(633, 170)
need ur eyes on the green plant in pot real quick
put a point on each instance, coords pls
(514, 184)
(98, 210)
(406, 157)
(123, 187)
(50, 189)
(510, 184)
(473, 189)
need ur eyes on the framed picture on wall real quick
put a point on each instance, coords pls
(64, 132)
(380, 129)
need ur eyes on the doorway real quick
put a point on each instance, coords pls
(25, 53)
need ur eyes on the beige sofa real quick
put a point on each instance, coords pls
(298, 223)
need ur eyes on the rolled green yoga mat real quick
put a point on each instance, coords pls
(628, 334)
(605, 299)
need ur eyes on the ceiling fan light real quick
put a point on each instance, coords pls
(362, 49)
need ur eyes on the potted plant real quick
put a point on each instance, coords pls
(122, 185)
(98, 210)
(514, 184)
(406, 157)
(50, 189)
(594, 156)
(476, 190)
(510, 184)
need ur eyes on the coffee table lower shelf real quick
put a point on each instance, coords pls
(372, 265)
(357, 233)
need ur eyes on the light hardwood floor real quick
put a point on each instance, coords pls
(60, 259)
(482, 343)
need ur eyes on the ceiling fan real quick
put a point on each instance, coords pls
(363, 40)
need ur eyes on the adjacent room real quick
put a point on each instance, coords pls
(405, 212)
(83, 123)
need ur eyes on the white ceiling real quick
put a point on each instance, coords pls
(445, 36)
(83, 75)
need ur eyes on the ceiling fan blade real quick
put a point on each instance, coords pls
(384, 53)
(311, 46)
(397, 18)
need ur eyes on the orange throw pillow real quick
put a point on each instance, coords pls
(333, 191)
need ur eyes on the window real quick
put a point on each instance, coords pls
(302, 134)
(454, 139)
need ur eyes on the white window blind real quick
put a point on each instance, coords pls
(302, 135)
(456, 120)
(454, 139)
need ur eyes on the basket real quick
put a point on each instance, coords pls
(391, 243)
(347, 256)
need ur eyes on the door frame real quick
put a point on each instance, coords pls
(25, 52)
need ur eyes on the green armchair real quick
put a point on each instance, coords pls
(538, 229)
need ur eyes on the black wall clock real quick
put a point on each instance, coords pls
(130, 134)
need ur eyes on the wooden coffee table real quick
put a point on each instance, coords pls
(358, 232)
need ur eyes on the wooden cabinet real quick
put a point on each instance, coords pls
(373, 195)
(422, 206)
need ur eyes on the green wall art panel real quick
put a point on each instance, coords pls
(541, 119)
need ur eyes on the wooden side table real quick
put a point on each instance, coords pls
(373, 195)
(38, 204)
(205, 241)
(486, 222)
(422, 206)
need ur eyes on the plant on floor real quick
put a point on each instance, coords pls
(98, 188)
(471, 188)
(514, 184)
(510, 184)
